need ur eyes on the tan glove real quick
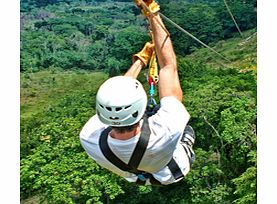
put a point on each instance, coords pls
(145, 54)
(151, 4)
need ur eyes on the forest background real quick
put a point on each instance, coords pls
(222, 172)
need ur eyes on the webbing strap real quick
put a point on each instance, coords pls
(108, 153)
(137, 155)
(141, 145)
(154, 181)
(175, 170)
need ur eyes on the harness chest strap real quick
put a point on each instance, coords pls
(136, 157)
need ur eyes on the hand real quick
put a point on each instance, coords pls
(145, 54)
(153, 7)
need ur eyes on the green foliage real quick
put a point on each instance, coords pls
(241, 52)
(75, 38)
(113, 67)
(223, 113)
(82, 35)
(125, 42)
(207, 20)
(41, 115)
(207, 180)
(222, 104)
(98, 52)
(66, 172)
(198, 19)
(246, 183)
(243, 12)
(56, 166)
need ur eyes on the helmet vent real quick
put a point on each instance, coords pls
(101, 106)
(109, 108)
(127, 107)
(114, 118)
(135, 114)
(118, 109)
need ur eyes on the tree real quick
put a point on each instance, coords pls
(113, 67)
(98, 52)
(243, 12)
(127, 42)
(198, 19)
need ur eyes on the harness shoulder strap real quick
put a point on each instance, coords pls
(136, 156)
(141, 145)
(108, 153)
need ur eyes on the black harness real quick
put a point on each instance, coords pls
(137, 155)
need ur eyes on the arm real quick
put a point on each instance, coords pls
(135, 69)
(140, 60)
(169, 84)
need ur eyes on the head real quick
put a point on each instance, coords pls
(125, 129)
(121, 102)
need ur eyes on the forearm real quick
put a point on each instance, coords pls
(169, 84)
(135, 69)
(164, 49)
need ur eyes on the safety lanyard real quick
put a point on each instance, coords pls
(152, 78)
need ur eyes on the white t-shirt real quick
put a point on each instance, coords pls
(166, 126)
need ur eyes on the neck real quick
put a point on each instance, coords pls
(125, 135)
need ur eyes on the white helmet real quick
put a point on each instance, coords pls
(121, 101)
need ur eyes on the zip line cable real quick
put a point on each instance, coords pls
(184, 31)
(229, 10)
(193, 37)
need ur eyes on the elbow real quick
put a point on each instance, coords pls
(171, 61)
(170, 64)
